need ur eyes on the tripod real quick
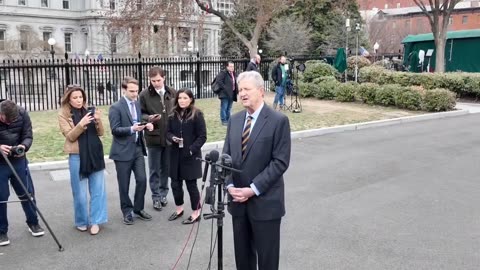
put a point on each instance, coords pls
(295, 104)
(31, 199)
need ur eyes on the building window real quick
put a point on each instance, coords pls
(68, 42)
(112, 4)
(46, 37)
(450, 21)
(113, 43)
(478, 19)
(407, 25)
(44, 3)
(1, 2)
(139, 4)
(464, 19)
(2, 40)
(23, 40)
(66, 4)
(22, 2)
(420, 26)
(225, 6)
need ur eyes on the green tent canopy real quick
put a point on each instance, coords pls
(462, 50)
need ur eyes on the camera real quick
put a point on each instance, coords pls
(16, 151)
(91, 110)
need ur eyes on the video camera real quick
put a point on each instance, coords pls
(16, 151)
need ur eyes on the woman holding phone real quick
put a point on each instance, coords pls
(82, 129)
(188, 132)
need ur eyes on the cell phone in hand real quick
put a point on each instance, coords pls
(142, 123)
(91, 110)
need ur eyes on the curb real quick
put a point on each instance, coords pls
(63, 164)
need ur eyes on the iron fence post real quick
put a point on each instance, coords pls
(139, 72)
(197, 76)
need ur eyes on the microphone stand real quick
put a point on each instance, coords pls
(31, 199)
(219, 213)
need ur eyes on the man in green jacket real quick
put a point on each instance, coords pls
(157, 104)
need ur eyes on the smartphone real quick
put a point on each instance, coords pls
(91, 110)
(143, 123)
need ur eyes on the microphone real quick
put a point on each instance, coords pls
(226, 161)
(212, 156)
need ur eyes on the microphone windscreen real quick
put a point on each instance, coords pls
(214, 155)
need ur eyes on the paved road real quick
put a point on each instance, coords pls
(399, 197)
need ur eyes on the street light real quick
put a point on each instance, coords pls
(347, 28)
(51, 41)
(357, 29)
(375, 49)
(260, 51)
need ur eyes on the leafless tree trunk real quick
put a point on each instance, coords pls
(438, 13)
(265, 11)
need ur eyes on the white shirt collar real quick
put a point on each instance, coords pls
(161, 91)
(256, 113)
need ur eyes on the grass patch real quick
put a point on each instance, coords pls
(48, 141)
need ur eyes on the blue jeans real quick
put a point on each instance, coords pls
(225, 107)
(21, 168)
(95, 185)
(279, 95)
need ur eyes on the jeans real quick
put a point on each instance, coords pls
(279, 95)
(158, 165)
(93, 185)
(225, 107)
(21, 168)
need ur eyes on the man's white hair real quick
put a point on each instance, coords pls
(252, 76)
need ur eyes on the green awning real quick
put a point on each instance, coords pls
(450, 35)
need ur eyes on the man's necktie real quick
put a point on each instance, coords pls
(246, 135)
(133, 112)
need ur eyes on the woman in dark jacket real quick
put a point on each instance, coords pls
(188, 133)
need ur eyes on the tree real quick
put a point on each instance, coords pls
(290, 35)
(438, 13)
(27, 45)
(262, 10)
(144, 21)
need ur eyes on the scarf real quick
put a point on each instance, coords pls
(89, 145)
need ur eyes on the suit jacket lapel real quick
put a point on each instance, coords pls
(127, 108)
(257, 128)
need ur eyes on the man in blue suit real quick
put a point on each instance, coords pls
(128, 150)
(258, 140)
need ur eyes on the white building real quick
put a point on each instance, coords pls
(78, 27)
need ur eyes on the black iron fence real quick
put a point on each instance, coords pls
(39, 84)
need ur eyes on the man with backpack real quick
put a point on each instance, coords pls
(227, 90)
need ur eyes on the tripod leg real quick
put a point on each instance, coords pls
(31, 199)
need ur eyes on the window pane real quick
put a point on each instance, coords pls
(2, 40)
(22, 2)
(66, 4)
(23, 40)
(68, 42)
(112, 4)
(44, 3)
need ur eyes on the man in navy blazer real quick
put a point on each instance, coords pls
(258, 140)
(128, 150)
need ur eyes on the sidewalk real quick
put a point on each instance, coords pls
(471, 107)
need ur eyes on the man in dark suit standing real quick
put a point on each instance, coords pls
(253, 64)
(128, 150)
(258, 140)
(228, 91)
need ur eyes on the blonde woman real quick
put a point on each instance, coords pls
(82, 128)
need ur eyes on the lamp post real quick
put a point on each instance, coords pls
(357, 29)
(87, 53)
(375, 49)
(52, 42)
(260, 51)
(347, 28)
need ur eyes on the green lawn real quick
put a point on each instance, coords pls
(48, 141)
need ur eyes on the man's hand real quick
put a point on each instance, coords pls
(154, 118)
(241, 194)
(137, 127)
(5, 149)
(149, 126)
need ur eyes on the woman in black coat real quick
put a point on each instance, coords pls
(188, 133)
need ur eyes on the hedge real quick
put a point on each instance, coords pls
(463, 84)
(405, 97)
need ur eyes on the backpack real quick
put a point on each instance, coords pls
(215, 85)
